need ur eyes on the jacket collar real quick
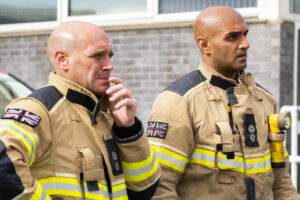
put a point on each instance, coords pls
(79, 95)
(223, 82)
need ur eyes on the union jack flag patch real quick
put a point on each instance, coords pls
(22, 116)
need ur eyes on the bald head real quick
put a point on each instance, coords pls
(211, 20)
(70, 36)
(221, 36)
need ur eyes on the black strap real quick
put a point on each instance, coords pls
(225, 85)
(250, 187)
(229, 88)
(231, 96)
(106, 174)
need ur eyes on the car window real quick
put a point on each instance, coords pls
(11, 88)
(5, 98)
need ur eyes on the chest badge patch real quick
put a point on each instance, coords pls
(250, 129)
(157, 129)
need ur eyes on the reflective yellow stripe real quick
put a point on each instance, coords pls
(140, 164)
(71, 187)
(140, 171)
(119, 188)
(28, 139)
(40, 194)
(286, 154)
(248, 166)
(170, 158)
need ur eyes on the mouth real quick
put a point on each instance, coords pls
(242, 56)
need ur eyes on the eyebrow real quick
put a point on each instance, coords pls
(237, 32)
(95, 53)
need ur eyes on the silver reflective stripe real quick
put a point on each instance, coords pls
(43, 196)
(134, 172)
(203, 157)
(231, 163)
(258, 165)
(211, 159)
(62, 186)
(170, 159)
(99, 192)
(119, 193)
(20, 133)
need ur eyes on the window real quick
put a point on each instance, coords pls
(10, 88)
(104, 7)
(22, 11)
(43, 15)
(171, 6)
(295, 6)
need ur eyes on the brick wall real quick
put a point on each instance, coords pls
(148, 60)
(286, 63)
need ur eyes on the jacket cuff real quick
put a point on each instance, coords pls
(128, 134)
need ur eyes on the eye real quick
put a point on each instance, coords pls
(111, 54)
(98, 56)
(232, 36)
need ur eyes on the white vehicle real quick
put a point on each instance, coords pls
(10, 88)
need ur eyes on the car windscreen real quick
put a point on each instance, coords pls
(10, 88)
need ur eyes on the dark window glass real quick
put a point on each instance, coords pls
(105, 7)
(295, 6)
(22, 11)
(172, 6)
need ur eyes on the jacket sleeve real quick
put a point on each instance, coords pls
(283, 187)
(140, 166)
(171, 136)
(22, 141)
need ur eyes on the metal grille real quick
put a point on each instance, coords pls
(173, 6)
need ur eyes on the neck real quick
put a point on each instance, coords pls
(228, 74)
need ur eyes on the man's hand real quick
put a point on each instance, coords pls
(122, 104)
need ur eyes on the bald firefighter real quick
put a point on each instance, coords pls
(77, 137)
(210, 128)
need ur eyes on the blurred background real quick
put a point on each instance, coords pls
(153, 45)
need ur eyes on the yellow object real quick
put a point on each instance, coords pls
(278, 124)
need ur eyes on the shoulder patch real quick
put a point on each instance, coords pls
(22, 116)
(157, 129)
(48, 95)
(187, 82)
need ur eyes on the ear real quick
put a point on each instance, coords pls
(203, 45)
(62, 60)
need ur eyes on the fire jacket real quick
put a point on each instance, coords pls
(211, 138)
(61, 143)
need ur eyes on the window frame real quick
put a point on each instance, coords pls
(149, 17)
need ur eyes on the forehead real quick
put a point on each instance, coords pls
(231, 25)
(98, 42)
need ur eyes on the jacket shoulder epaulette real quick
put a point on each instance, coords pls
(264, 89)
(48, 96)
(185, 83)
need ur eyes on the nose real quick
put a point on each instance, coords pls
(244, 44)
(108, 66)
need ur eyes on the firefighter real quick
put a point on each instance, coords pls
(210, 128)
(77, 137)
